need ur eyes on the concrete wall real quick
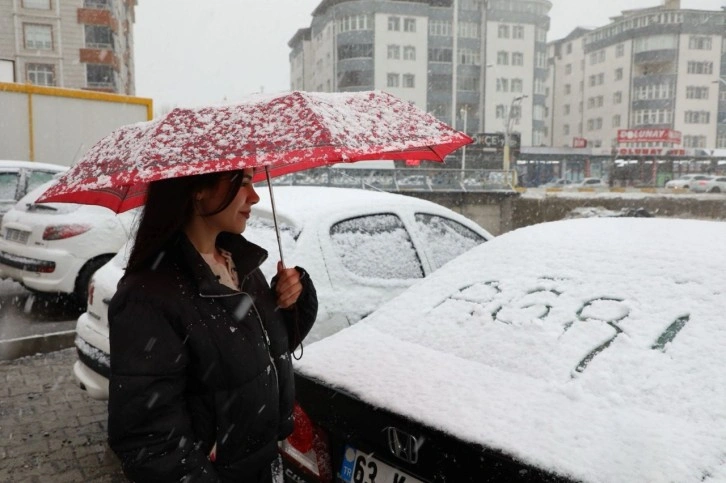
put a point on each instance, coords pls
(502, 212)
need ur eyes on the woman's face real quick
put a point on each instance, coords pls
(234, 217)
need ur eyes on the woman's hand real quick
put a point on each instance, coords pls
(288, 287)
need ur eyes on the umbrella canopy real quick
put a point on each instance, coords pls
(282, 133)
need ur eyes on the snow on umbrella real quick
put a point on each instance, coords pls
(282, 133)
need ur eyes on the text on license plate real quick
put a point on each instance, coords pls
(360, 467)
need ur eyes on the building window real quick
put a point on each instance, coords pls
(99, 37)
(501, 111)
(618, 74)
(441, 28)
(41, 74)
(620, 50)
(409, 52)
(439, 55)
(566, 129)
(517, 32)
(355, 22)
(409, 81)
(721, 141)
(517, 58)
(696, 92)
(101, 4)
(697, 42)
(394, 24)
(566, 109)
(698, 117)
(616, 120)
(568, 69)
(393, 80)
(355, 78)
(394, 52)
(568, 89)
(468, 30)
(517, 85)
(568, 49)
(39, 4)
(354, 51)
(502, 58)
(617, 97)
(700, 67)
(468, 57)
(38, 37)
(502, 85)
(409, 25)
(98, 75)
(467, 83)
(503, 31)
(694, 141)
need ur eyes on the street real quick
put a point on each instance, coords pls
(49, 429)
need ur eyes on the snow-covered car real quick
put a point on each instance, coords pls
(684, 182)
(56, 247)
(587, 183)
(702, 184)
(558, 183)
(563, 351)
(17, 178)
(717, 184)
(360, 247)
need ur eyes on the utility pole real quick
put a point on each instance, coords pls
(454, 59)
(508, 133)
(465, 113)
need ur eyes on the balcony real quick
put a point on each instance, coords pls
(660, 56)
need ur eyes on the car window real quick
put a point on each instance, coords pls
(376, 246)
(8, 185)
(36, 178)
(445, 238)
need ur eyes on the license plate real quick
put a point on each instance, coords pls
(18, 236)
(360, 467)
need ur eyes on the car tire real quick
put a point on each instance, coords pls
(715, 190)
(84, 277)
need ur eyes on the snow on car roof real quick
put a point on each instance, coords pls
(297, 205)
(16, 164)
(590, 347)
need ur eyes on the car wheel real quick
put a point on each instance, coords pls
(715, 189)
(84, 277)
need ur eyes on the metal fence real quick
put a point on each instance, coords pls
(402, 179)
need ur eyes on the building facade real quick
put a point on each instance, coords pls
(494, 51)
(660, 68)
(77, 44)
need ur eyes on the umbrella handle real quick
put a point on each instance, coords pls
(274, 214)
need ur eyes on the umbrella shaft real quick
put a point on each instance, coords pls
(274, 214)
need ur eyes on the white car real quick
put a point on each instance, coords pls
(360, 247)
(684, 182)
(17, 178)
(717, 184)
(587, 183)
(555, 352)
(56, 247)
(701, 184)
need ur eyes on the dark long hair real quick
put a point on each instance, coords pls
(169, 205)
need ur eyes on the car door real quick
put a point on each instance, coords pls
(369, 258)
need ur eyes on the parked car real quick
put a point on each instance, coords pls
(717, 184)
(701, 184)
(56, 247)
(558, 183)
(17, 178)
(555, 352)
(684, 182)
(360, 248)
(593, 183)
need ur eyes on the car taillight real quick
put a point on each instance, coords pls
(59, 232)
(307, 447)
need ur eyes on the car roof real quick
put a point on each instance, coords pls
(299, 205)
(571, 345)
(15, 164)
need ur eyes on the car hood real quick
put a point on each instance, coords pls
(588, 347)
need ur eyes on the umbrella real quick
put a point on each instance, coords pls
(281, 133)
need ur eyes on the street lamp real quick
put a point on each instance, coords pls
(721, 79)
(508, 130)
(465, 113)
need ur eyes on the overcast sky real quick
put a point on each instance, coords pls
(190, 52)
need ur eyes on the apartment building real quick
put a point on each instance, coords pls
(77, 44)
(494, 51)
(661, 68)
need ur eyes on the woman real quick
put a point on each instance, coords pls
(201, 385)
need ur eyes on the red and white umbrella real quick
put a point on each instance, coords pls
(282, 133)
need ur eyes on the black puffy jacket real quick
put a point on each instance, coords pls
(194, 363)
